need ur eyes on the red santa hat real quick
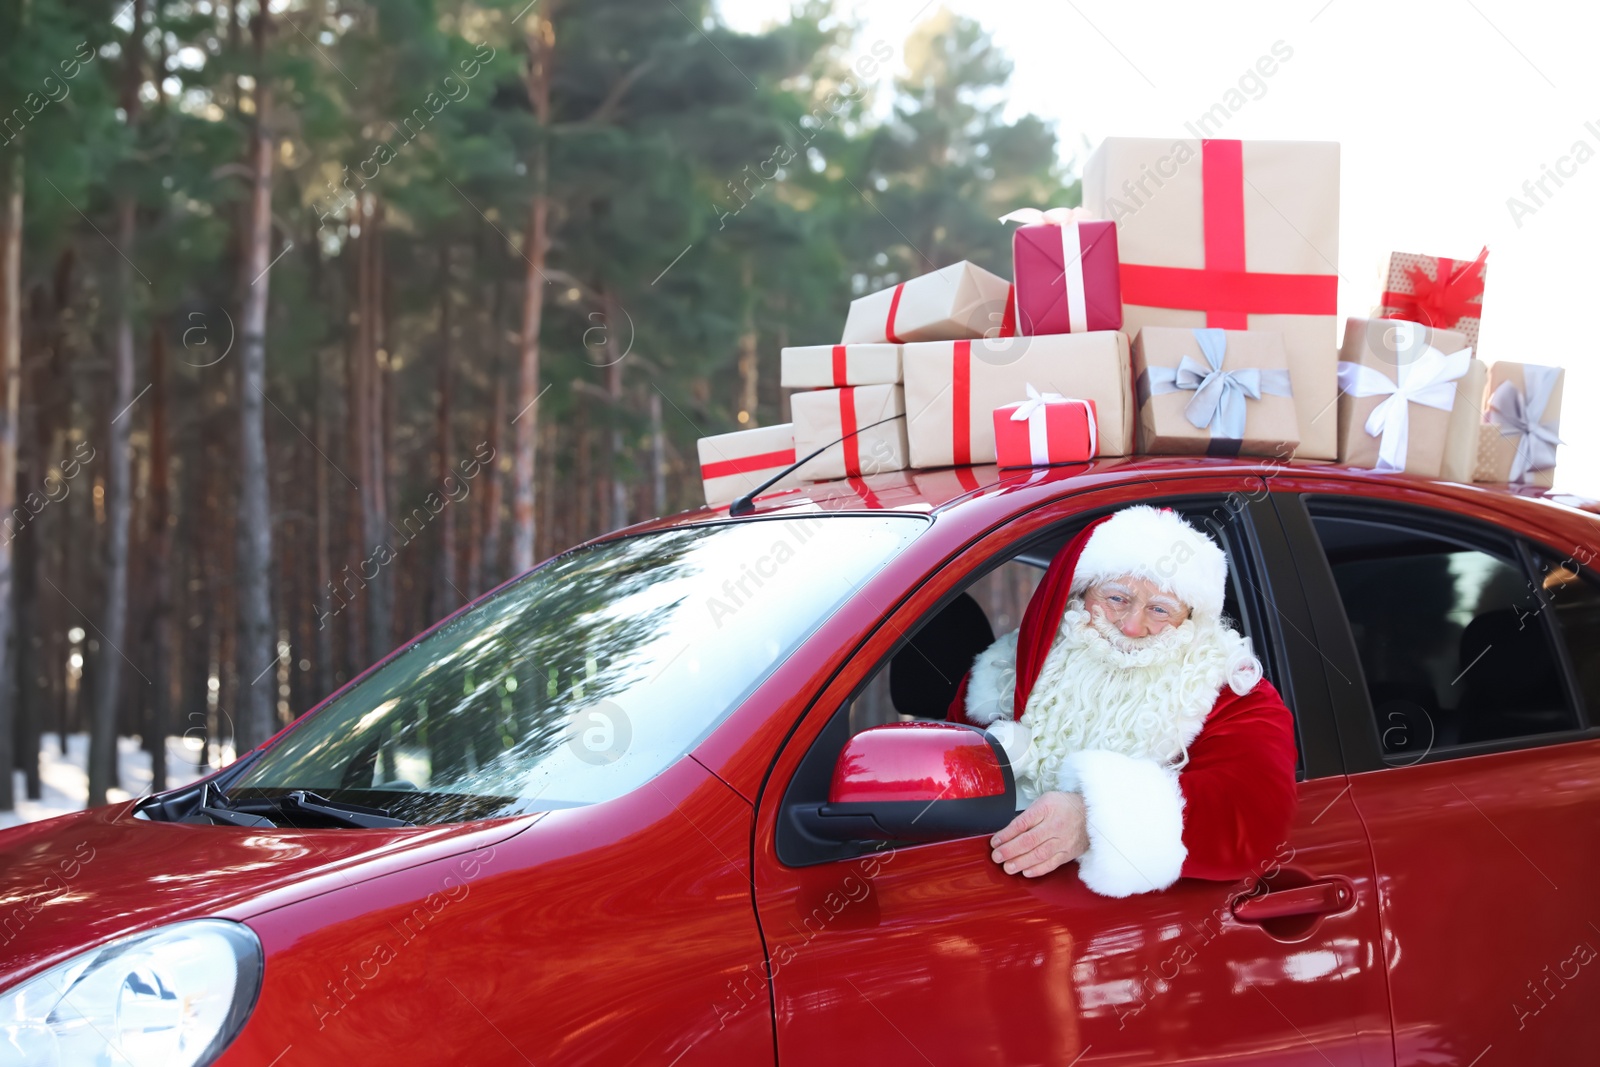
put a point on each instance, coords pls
(1140, 542)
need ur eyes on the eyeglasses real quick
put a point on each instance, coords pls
(1118, 602)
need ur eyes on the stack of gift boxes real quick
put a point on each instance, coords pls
(1189, 308)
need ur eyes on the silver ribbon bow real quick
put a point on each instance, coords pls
(1516, 412)
(1219, 398)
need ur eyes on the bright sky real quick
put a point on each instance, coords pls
(1444, 108)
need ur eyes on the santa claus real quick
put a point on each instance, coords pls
(1145, 742)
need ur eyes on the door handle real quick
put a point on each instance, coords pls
(1318, 898)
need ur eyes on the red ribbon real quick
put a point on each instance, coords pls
(1443, 300)
(961, 404)
(840, 374)
(765, 461)
(1224, 288)
(847, 428)
(1008, 320)
(894, 306)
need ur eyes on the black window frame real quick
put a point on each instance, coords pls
(1262, 555)
(1357, 721)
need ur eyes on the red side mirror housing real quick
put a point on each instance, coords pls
(917, 781)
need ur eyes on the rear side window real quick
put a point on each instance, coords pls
(1572, 597)
(1454, 644)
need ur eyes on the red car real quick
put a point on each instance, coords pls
(667, 800)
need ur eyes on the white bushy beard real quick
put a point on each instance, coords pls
(1145, 698)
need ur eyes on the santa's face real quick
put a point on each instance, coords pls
(1136, 607)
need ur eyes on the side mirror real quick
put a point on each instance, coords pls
(916, 781)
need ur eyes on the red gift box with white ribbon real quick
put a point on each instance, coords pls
(861, 428)
(1044, 430)
(1066, 269)
(732, 464)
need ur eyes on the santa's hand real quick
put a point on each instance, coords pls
(1052, 831)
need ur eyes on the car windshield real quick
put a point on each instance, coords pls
(584, 679)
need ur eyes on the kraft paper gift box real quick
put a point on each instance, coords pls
(1461, 440)
(1214, 393)
(1446, 294)
(953, 387)
(1400, 388)
(732, 464)
(831, 366)
(1065, 267)
(1045, 430)
(1237, 235)
(959, 301)
(1522, 409)
(823, 416)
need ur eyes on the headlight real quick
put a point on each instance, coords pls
(173, 997)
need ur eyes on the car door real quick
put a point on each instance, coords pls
(931, 954)
(1465, 666)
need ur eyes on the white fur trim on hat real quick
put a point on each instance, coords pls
(1158, 545)
(1134, 813)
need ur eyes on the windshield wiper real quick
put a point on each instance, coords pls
(218, 806)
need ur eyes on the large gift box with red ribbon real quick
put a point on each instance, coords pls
(1446, 294)
(953, 387)
(1214, 392)
(862, 427)
(830, 366)
(1236, 235)
(959, 301)
(1044, 430)
(1405, 398)
(732, 464)
(1066, 272)
(1522, 409)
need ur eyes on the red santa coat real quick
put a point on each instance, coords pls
(1237, 790)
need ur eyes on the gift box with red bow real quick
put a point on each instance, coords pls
(1066, 272)
(862, 428)
(732, 464)
(1522, 412)
(830, 366)
(1044, 430)
(959, 301)
(1232, 235)
(1446, 294)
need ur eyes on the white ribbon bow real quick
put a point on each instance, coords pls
(1428, 380)
(1033, 413)
(1066, 219)
(1523, 414)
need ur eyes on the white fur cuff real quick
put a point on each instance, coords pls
(991, 688)
(1135, 822)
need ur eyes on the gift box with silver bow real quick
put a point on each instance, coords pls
(1406, 397)
(1522, 412)
(1214, 392)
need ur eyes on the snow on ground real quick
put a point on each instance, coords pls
(66, 784)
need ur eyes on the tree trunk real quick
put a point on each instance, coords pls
(324, 597)
(748, 353)
(615, 448)
(10, 382)
(445, 598)
(492, 492)
(374, 474)
(541, 55)
(256, 638)
(118, 473)
(658, 457)
(160, 577)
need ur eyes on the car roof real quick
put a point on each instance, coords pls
(954, 489)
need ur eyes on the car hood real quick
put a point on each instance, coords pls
(71, 883)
